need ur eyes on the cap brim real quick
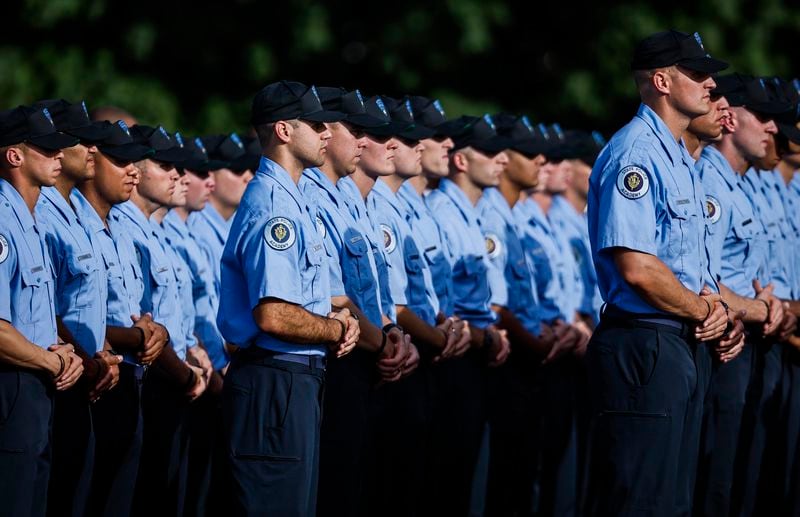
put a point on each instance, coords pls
(92, 133)
(790, 131)
(770, 108)
(245, 162)
(417, 133)
(53, 141)
(364, 120)
(450, 128)
(391, 129)
(706, 64)
(323, 116)
(530, 147)
(173, 155)
(491, 145)
(127, 152)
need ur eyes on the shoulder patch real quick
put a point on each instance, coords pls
(321, 229)
(3, 248)
(632, 182)
(389, 238)
(280, 233)
(493, 245)
(713, 209)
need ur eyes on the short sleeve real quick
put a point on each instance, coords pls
(627, 210)
(497, 258)
(718, 217)
(395, 262)
(8, 267)
(333, 256)
(270, 255)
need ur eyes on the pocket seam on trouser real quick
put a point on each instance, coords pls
(13, 405)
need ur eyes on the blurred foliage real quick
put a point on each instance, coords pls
(195, 66)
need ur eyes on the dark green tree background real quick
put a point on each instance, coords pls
(194, 66)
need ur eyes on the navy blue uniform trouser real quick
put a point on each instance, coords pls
(73, 453)
(204, 481)
(398, 437)
(647, 383)
(26, 409)
(457, 427)
(343, 437)
(271, 414)
(516, 402)
(163, 468)
(117, 419)
(754, 487)
(722, 422)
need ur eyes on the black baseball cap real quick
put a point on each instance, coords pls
(289, 100)
(198, 160)
(402, 121)
(167, 149)
(524, 137)
(119, 143)
(351, 104)
(430, 113)
(675, 48)
(752, 93)
(251, 158)
(479, 133)
(73, 119)
(34, 126)
(787, 92)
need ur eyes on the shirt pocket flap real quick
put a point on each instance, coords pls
(681, 207)
(82, 263)
(356, 246)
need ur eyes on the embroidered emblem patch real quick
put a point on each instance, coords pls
(713, 209)
(279, 233)
(389, 239)
(493, 245)
(3, 249)
(321, 227)
(632, 182)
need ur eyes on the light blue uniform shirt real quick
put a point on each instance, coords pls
(160, 288)
(550, 268)
(644, 195)
(352, 263)
(368, 224)
(737, 240)
(81, 290)
(123, 275)
(428, 234)
(574, 227)
(26, 275)
(410, 281)
(210, 231)
(183, 282)
(779, 250)
(459, 220)
(204, 294)
(789, 203)
(510, 277)
(273, 251)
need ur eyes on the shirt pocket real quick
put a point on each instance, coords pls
(35, 303)
(683, 224)
(84, 290)
(312, 272)
(163, 279)
(357, 269)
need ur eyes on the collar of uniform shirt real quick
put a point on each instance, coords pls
(173, 220)
(494, 198)
(54, 197)
(675, 151)
(270, 169)
(382, 189)
(416, 205)
(317, 177)
(460, 200)
(90, 219)
(715, 159)
(14, 199)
